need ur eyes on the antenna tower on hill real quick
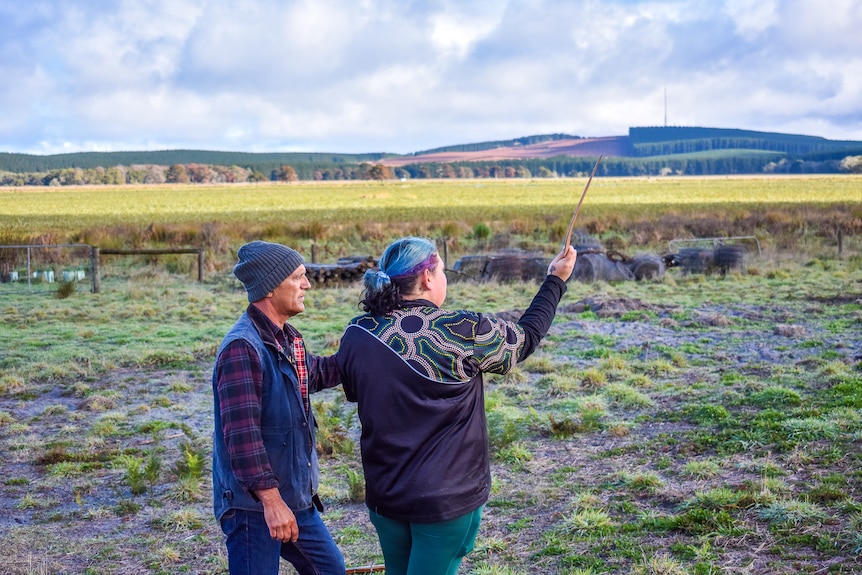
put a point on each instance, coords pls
(665, 105)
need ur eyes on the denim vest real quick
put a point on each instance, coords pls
(288, 435)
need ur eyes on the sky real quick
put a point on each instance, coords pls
(400, 76)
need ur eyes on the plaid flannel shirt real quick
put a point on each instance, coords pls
(240, 391)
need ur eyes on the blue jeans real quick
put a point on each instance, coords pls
(251, 550)
(426, 548)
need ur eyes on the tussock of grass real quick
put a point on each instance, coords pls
(660, 565)
(703, 469)
(593, 379)
(792, 512)
(776, 397)
(627, 397)
(538, 363)
(588, 523)
(640, 481)
(716, 498)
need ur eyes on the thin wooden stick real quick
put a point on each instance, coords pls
(373, 568)
(568, 239)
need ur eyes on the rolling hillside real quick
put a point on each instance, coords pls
(644, 151)
(574, 147)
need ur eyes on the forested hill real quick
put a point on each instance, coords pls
(513, 143)
(666, 150)
(35, 163)
(669, 140)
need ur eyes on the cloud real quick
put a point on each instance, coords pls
(407, 75)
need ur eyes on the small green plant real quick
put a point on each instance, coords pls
(593, 379)
(334, 422)
(165, 557)
(486, 569)
(178, 521)
(658, 367)
(700, 469)
(481, 232)
(588, 523)
(504, 427)
(66, 288)
(792, 512)
(662, 564)
(646, 482)
(189, 472)
(627, 397)
(152, 468)
(563, 426)
(134, 474)
(539, 364)
(613, 363)
(66, 469)
(514, 454)
(641, 380)
(701, 521)
(126, 507)
(592, 414)
(6, 418)
(776, 397)
(355, 486)
(191, 461)
(29, 501)
(349, 535)
(556, 385)
(810, 429)
(850, 537)
(717, 498)
(707, 413)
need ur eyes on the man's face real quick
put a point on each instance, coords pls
(288, 297)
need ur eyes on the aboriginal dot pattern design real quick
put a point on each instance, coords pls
(448, 346)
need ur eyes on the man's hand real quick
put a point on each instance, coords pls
(279, 518)
(564, 263)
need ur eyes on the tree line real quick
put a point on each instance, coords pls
(561, 166)
(657, 151)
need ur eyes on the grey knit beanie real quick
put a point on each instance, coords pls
(262, 266)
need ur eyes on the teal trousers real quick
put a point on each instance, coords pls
(426, 548)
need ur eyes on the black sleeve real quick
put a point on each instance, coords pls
(537, 320)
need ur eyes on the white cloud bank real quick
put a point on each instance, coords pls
(406, 75)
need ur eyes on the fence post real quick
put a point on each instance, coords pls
(840, 243)
(94, 269)
(200, 265)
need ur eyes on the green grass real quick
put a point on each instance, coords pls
(666, 441)
(323, 203)
(361, 217)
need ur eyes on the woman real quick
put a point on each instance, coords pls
(416, 372)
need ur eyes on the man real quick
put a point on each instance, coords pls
(265, 468)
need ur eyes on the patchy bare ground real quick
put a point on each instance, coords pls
(83, 518)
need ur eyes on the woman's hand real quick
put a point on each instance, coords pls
(562, 265)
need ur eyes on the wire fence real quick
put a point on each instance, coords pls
(41, 267)
(37, 268)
